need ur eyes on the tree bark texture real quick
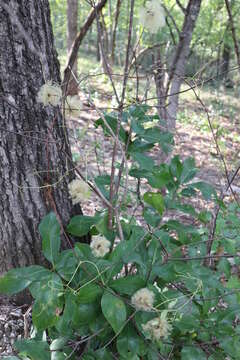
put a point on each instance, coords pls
(33, 140)
(179, 61)
(72, 30)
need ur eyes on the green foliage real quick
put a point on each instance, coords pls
(154, 273)
(114, 311)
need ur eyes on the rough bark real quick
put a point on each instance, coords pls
(177, 71)
(72, 30)
(33, 140)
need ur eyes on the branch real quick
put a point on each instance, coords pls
(77, 42)
(144, 51)
(119, 2)
(172, 19)
(181, 6)
(233, 30)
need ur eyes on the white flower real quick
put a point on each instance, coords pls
(100, 246)
(79, 191)
(152, 16)
(50, 94)
(157, 328)
(143, 299)
(73, 106)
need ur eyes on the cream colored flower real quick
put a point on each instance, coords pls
(152, 16)
(158, 327)
(79, 191)
(143, 299)
(100, 246)
(73, 106)
(49, 94)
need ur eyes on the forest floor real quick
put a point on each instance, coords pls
(92, 153)
(193, 138)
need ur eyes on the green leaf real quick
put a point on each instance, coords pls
(103, 182)
(36, 350)
(138, 173)
(48, 302)
(10, 358)
(233, 282)
(58, 344)
(160, 177)
(130, 342)
(49, 229)
(18, 279)
(231, 346)
(103, 354)
(58, 355)
(83, 251)
(80, 225)
(206, 189)
(189, 170)
(85, 313)
(188, 323)
(176, 167)
(66, 264)
(185, 208)
(139, 146)
(190, 353)
(114, 311)
(136, 126)
(102, 327)
(112, 123)
(153, 354)
(155, 200)
(144, 161)
(151, 216)
(102, 227)
(88, 293)
(155, 135)
(188, 192)
(127, 285)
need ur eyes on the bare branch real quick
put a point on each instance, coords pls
(77, 42)
(181, 6)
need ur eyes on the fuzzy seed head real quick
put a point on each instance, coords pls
(157, 328)
(49, 94)
(143, 299)
(79, 191)
(152, 16)
(73, 106)
(100, 246)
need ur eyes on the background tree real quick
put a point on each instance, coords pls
(34, 147)
(72, 29)
(168, 93)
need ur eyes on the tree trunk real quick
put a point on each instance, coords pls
(226, 56)
(179, 61)
(98, 48)
(113, 44)
(233, 30)
(34, 171)
(72, 30)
